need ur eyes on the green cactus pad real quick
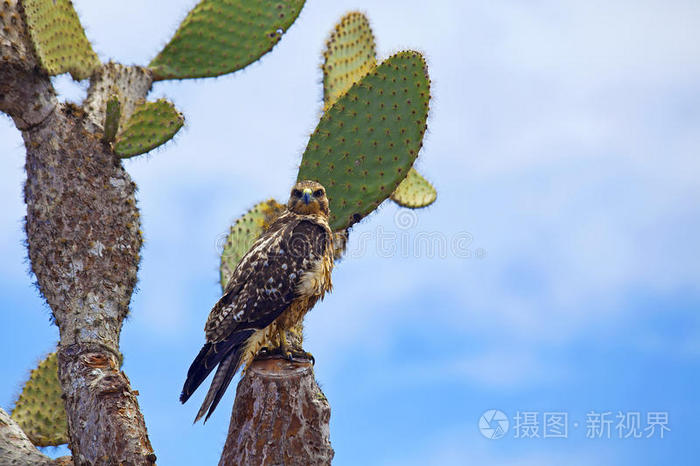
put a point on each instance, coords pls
(151, 124)
(414, 191)
(349, 56)
(112, 115)
(243, 234)
(221, 36)
(366, 143)
(39, 410)
(58, 38)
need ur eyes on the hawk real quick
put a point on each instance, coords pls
(281, 277)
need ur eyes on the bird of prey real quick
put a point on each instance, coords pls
(281, 277)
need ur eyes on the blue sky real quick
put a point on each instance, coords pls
(563, 141)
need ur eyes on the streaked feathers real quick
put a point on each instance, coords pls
(276, 282)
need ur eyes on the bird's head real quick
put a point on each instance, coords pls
(308, 197)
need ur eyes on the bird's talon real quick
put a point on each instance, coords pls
(304, 356)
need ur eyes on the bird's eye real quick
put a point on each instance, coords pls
(296, 193)
(318, 193)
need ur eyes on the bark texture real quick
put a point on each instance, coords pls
(84, 240)
(26, 94)
(280, 417)
(17, 450)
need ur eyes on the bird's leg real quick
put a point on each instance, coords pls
(284, 347)
(296, 334)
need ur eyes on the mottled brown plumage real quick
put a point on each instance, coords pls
(281, 277)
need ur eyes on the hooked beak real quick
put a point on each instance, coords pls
(307, 196)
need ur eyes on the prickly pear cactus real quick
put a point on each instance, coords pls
(59, 39)
(243, 234)
(151, 124)
(414, 191)
(112, 116)
(350, 54)
(221, 36)
(39, 410)
(366, 143)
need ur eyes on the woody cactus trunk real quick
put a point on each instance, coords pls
(82, 223)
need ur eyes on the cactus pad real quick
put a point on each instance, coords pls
(39, 410)
(221, 36)
(414, 191)
(58, 38)
(151, 124)
(243, 234)
(112, 115)
(365, 144)
(349, 56)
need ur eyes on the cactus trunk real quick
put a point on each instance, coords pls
(84, 240)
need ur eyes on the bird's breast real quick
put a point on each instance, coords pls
(317, 280)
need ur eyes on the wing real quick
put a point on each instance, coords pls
(265, 282)
(231, 322)
(263, 285)
(251, 300)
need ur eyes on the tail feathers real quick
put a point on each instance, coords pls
(227, 354)
(196, 374)
(209, 356)
(207, 359)
(222, 379)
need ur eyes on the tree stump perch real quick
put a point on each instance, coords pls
(280, 417)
